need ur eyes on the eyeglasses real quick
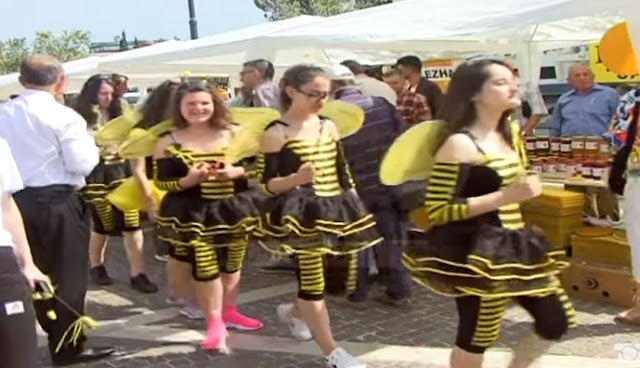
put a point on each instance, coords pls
(317, 95)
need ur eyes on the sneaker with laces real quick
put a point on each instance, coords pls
(142, 284)
(191, 312)
(161, 258)
(299, 329)
(341, 359)
(176, 302)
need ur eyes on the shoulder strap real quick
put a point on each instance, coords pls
(475, 142)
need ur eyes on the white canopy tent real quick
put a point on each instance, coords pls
(226, 64)
(10, 84)
(424, 27)
(441, 26)
(78, 71)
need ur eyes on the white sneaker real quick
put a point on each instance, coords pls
(341, 359)
(299, 329)
(191, 312)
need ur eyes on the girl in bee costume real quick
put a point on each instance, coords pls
(98, 104)
(207, 213)
(314, 209)
(478, 249)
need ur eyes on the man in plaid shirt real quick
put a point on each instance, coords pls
(412, 107)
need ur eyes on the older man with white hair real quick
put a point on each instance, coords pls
(587, 109)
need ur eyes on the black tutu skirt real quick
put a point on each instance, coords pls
(185, 217)
(484, 260)
(105, 178)
(300, 221)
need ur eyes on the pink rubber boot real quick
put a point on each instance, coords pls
(233, 319)
(216, 338)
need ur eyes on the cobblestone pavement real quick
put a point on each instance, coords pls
(150, 334)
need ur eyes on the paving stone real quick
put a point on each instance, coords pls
(430, 322)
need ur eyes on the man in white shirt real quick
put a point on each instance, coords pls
(370, 86)
(19, 346)
(53, 153)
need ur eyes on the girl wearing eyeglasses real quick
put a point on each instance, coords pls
(313, 210)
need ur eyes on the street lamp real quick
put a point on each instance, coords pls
(193, 23)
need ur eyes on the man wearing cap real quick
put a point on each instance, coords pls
(370, 86)
(364, 152)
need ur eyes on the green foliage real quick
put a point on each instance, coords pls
(67, 46)
(283, 9)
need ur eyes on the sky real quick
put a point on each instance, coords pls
(144, 19)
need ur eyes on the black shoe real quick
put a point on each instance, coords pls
(99, 276)
(279, 266)
(142, 284)
(386, 299)
(88, 355)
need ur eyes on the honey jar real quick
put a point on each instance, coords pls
(587, 169)
(565, 147)
(542, 146)
(531, 146)
(537, 165)
(592, 147)
(550, 165)
(554, 144)
(577, 147)
(571, 168)
(562, 164)
(598, 169)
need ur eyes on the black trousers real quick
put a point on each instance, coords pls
(57, 225)
(18, 339)
(392, 226)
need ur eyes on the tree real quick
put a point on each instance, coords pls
(12, 52)
(124, 44)
(70, 45)
(283, 9)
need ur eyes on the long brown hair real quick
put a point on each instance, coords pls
(88, 98)
(458, 109)
(221, 117)
(158, 106)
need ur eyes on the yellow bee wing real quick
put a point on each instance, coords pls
(252, 122)
(347, 117)
(128, 197)
(116, 130)
(411, 156)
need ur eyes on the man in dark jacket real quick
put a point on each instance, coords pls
(364, 152)
(411, 67)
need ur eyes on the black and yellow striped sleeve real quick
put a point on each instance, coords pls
(268, 168)
(251, 167)
(344, 173)
(441, 202)
(162, 176)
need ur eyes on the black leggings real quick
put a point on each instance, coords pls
(18, 339)
(479, 318)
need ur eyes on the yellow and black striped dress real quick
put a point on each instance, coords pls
(106, 177)
(492, 255)
(215, 213)
(324, 217)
